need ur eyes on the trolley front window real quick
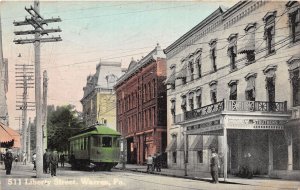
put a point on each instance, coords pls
(116, 141)
(106, 141)
(97, 141)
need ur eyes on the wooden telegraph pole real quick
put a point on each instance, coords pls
(38, 22)
(45, 92)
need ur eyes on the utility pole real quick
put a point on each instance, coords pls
(45, 92)
(24, 75)
(29, 139)
(19, 119)
(38, 22)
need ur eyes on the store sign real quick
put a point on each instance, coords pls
(264, 124)
(205, 127)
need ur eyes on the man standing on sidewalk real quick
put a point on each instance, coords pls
(8, 161)
(214, 166)
(53, 162)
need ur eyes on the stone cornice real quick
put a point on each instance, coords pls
(151, 57)
(205, 26)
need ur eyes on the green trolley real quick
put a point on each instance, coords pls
(97, 147)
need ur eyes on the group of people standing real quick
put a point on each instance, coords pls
(154, 162)
(50, 161)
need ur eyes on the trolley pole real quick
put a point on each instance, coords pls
(38, 22)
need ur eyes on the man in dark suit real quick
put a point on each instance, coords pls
(214, 166)
(53, 162)
(8, 161)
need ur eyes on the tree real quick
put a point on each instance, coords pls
(62, 123)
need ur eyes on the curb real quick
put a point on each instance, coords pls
(178, 176)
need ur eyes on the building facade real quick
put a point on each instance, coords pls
(99, 100)
(141, 106)
(233, 85)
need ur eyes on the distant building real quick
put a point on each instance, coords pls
(233, 84)
(141, 106)
(99, 100)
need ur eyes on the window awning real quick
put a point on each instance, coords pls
(249, 44)
(233, 89)
(172, 146)
(182, 73)
(181, 146)
(197, 144)
(250, 84)
(170, 80)
(212, 142)
(198, 92)
(191, 95)
(183, 101)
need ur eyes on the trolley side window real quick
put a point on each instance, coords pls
(116, 141)
(106, 141)
(96, 141)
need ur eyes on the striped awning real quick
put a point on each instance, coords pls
(249, 44)
(172, 146)
(9, 137)
(197, 144)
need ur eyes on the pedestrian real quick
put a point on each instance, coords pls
(34, 161)
(149, 163)
(214, 166)
(8, 161)
(53, 162)
(46, 159)
(24, 158)
(62, 160)
(249, 167)
(72, 161)
(154, 165)
(158, 162)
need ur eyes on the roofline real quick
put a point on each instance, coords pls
(195, 29)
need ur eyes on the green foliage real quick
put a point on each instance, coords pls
(62, 123)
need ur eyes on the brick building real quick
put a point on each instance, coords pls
(141, 106)
(234, 85)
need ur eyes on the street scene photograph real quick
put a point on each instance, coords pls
(195, 94)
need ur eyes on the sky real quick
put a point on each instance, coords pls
(93, 30)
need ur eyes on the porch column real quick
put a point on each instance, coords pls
(270, 168)
(185, 153)
(290, 150)
(225, 153)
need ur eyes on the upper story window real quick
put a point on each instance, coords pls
(250, 89)
(213, 91)
(183, 103)
(191, 70)
(182, 73)
(198, 66)
(294, 20)
(213, 54)
(294, 69)
(171, 79)
(232, 50)
(233, 89)
(173, 108)
(249, 43)
(269, 34)
(191, 100)
(198, 98)
(269, 71)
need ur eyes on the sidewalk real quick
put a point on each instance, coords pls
(256, 181)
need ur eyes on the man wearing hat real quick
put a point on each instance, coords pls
(214, 166)
(8, 161)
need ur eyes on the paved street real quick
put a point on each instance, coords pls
(23, 178)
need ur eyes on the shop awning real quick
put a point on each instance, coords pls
(172, 146)
(197, 144)
(9, 137)
(212, 142)
(181, 146)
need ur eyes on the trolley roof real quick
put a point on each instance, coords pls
(96, 130)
